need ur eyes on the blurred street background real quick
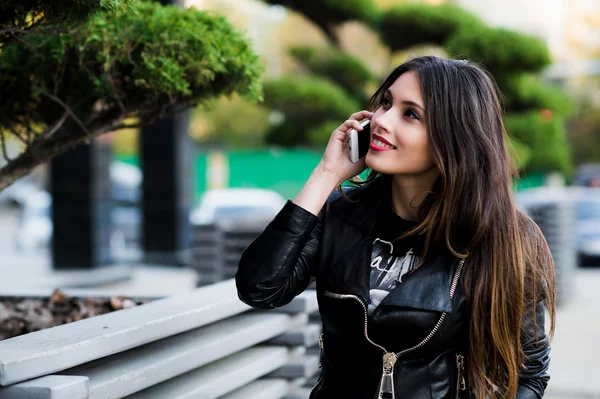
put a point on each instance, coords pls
(154, 210)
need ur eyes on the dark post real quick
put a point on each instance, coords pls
(81, 207)
(166, 161)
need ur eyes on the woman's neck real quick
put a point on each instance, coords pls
(408, 193)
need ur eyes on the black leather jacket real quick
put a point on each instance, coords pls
(419, 320)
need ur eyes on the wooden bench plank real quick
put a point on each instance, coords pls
(221, 377)
(271, 388)
(266, 388)
(59, 348)
(139, 368)
(302, 393)
(49, 387)
(305, 367)
(307, 336)
(304, 302)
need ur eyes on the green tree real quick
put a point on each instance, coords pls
(329, 14)
(126, 64)
(536, 111)
(21, 18)
(334, 83)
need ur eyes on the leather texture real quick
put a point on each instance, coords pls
(335, 248)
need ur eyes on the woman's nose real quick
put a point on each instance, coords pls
(382, 123)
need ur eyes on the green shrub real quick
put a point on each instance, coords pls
(523, 92)
(305, 102)
(134, 62)
(328, 13)
(545, 138)
(342, 68)
(361, 10)
(519, 152)
(500, 50)
(412, 24)
(310, 98)
(319, 135)
(38, 15)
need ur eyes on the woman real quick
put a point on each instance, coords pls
(430, 283)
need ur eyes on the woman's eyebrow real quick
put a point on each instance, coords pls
(389, 93)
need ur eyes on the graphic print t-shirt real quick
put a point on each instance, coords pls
(391, 259)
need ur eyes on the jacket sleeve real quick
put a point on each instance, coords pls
(279, 263)
(534, 377)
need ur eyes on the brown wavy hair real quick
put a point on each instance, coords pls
(471, 211)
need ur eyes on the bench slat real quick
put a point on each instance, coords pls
(221, 377)
(266, 388)
(305, 367)
(302, 393)
(304, 302)
(49, 387)
(47, 351)
(139, 368)
(306, 336)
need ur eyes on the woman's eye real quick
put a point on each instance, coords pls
(411, 114)
(386, 102)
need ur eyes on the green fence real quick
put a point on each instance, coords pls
(281, 170)
(284, 171)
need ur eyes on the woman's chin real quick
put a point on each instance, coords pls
(371, 162)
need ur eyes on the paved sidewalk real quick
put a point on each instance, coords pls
(575, 364)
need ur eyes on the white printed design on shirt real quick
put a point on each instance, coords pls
(387, 270)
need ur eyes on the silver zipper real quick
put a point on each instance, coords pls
(460, 381)
(320, 364)
(386, 383)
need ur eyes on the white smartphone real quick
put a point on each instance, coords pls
(359, 141)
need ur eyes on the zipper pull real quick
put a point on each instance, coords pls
(321, 350)
(386, 388)
(460, 365)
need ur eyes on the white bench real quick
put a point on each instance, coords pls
(201, 344)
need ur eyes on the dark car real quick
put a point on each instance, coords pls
(587, 225)
(587, 175)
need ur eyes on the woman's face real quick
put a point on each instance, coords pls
(399, 138)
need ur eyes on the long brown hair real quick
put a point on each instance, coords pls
(471, 211)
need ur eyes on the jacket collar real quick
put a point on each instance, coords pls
(365, 202)
(434, 276)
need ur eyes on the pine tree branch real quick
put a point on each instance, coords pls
(4, 152)
(68, 110)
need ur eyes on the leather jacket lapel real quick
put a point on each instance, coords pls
(434, 277)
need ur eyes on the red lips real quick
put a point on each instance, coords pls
(376, 147)
(378, 137)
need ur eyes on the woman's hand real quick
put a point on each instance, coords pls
(334, 168)
(336, 159)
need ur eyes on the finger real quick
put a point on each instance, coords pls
(361, 115)
(352, 124)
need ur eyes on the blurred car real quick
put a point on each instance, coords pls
(587, 224)
(236, 203)
(35, 225)
(126, 183)
(17, 193)
(35, 228)
(585, 203)
(587, 175)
